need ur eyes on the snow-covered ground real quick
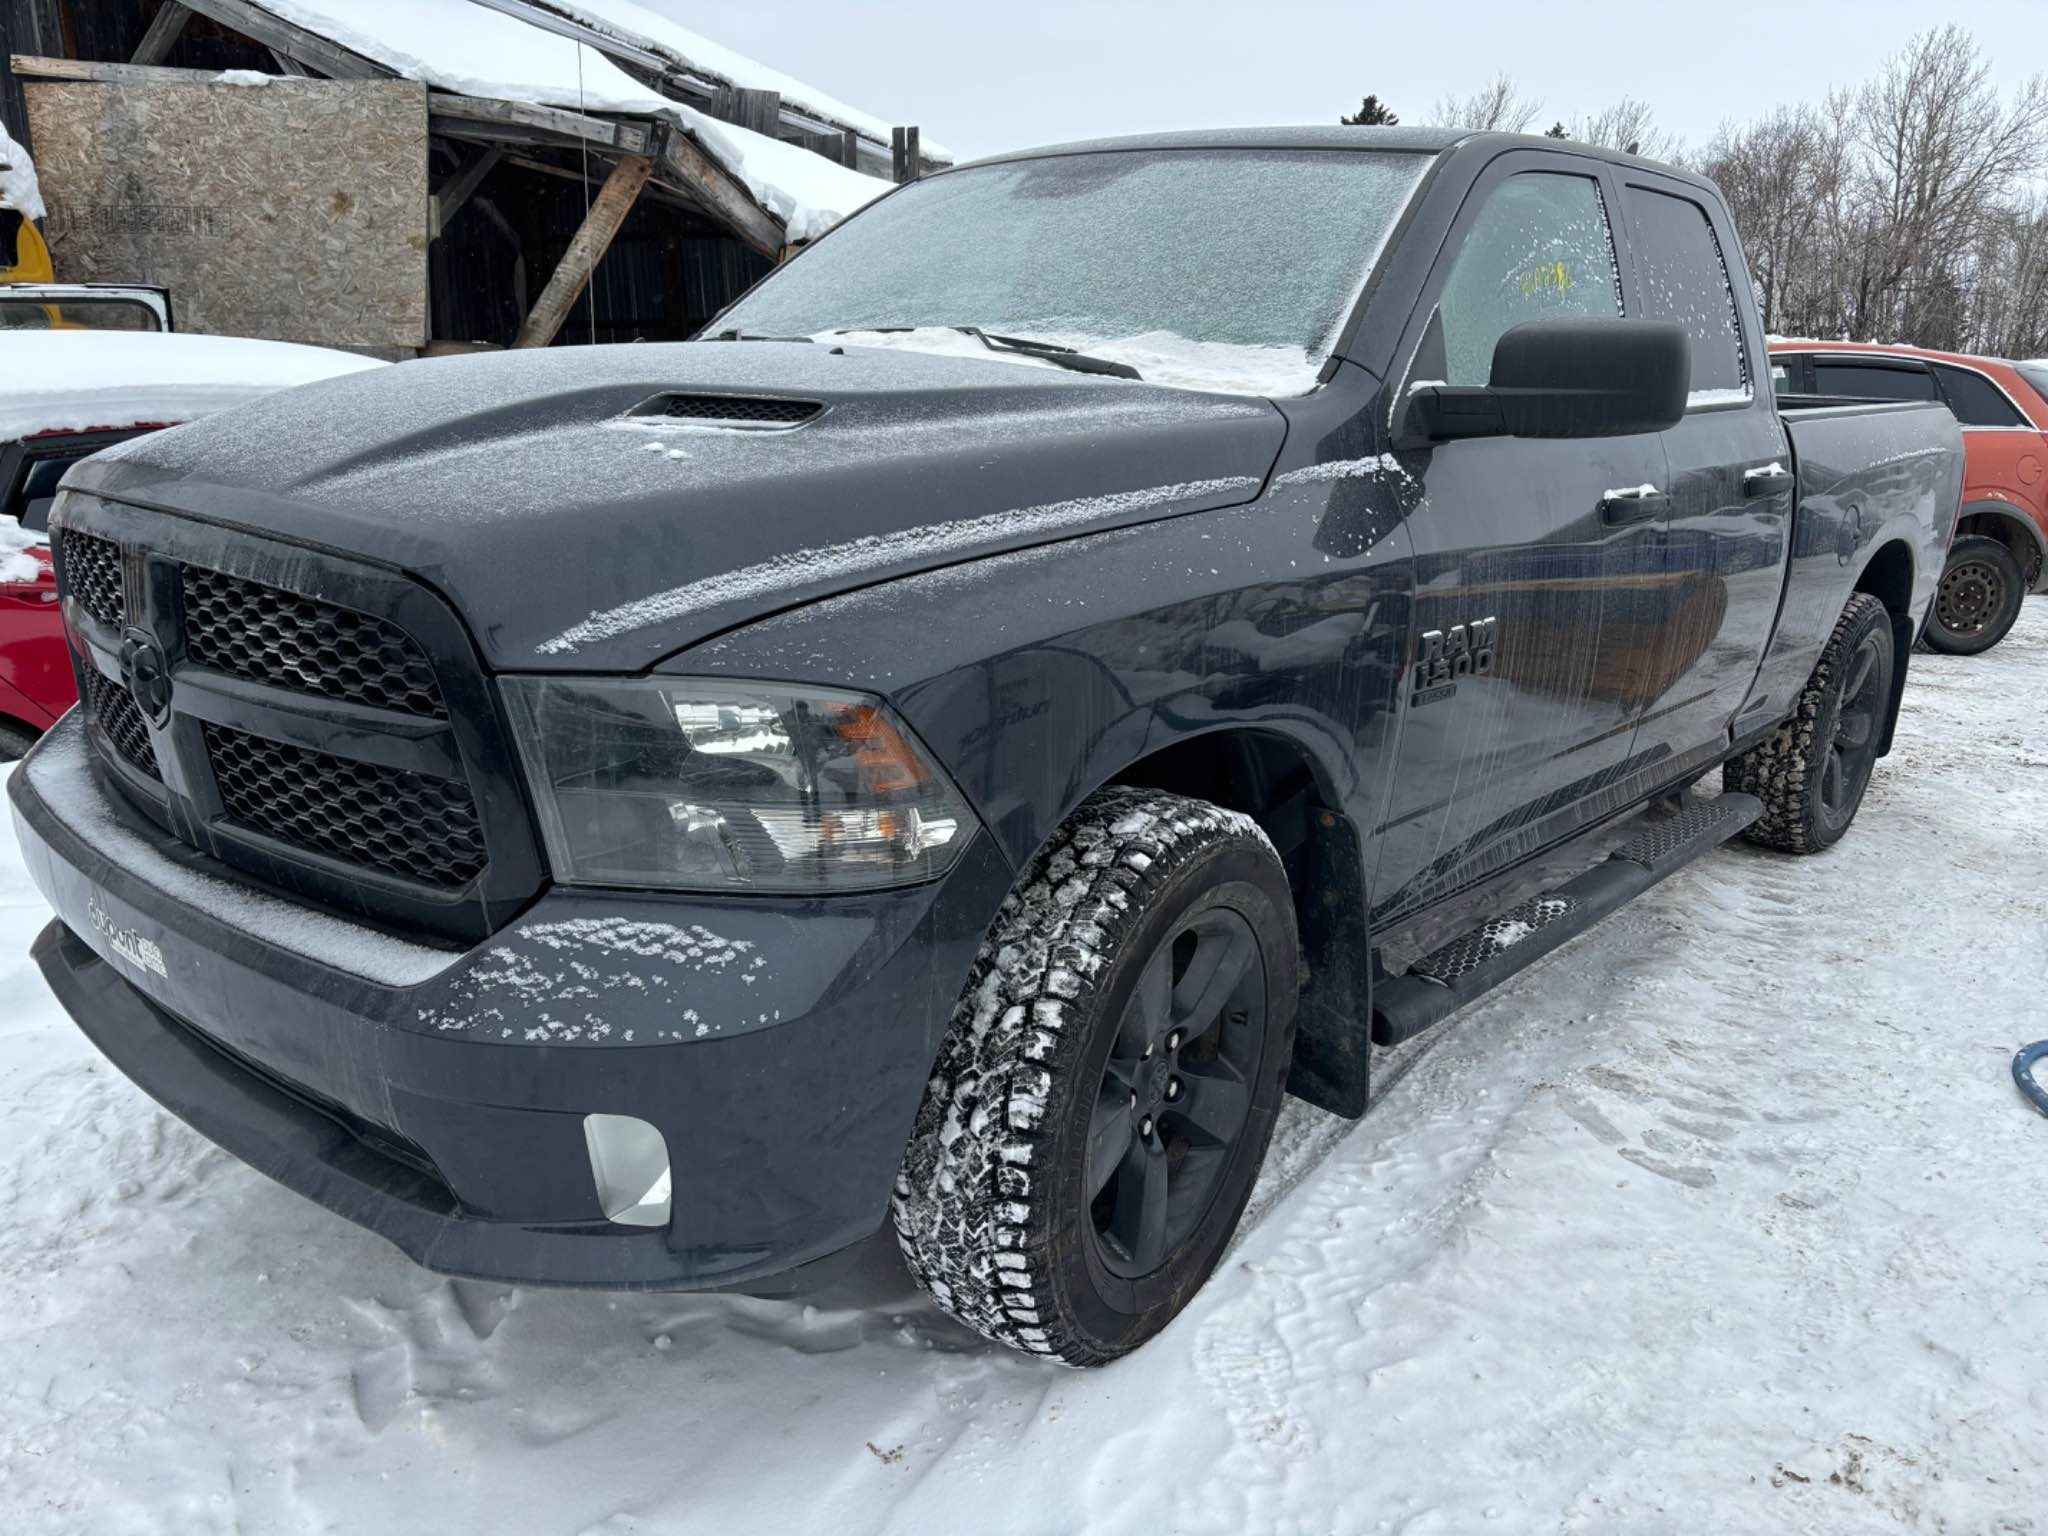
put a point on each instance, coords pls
(1725, 1218)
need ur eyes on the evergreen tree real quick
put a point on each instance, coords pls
(1372, 113)
(1556, 131)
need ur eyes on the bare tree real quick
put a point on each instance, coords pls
(1499, 107)
(1938, 152)
(1771, 173)
(1630, 126)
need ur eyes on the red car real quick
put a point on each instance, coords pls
(2000, 553)
(65, 394)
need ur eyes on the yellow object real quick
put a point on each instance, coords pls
(30, 258)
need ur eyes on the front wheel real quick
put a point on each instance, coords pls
(1110, 1080)
(1811, 772)
(1978, 599)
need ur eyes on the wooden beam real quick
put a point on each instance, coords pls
(614, 201)
(288, 65)
(905, 162)
(163, 33)
(448, 201)
(543, 124)
(849, 149)
(309, 48)
(759, 110)
(708, 184)
(32, 67)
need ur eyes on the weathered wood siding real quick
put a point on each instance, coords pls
(295, 210)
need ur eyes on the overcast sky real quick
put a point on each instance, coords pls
(981, 77)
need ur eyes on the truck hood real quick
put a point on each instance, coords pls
(574, 525)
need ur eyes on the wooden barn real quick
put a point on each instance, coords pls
(427, 175)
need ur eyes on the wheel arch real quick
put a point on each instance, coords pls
(1888, 577)
(2001, 520)
(1281, 785)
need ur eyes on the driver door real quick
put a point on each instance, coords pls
(1544, 549)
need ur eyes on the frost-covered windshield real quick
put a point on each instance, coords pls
(1220, 269)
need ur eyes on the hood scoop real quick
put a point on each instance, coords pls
(738, 413)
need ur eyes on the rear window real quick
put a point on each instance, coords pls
(2036, 375)
(1976, 401)
(1682, 277)
(1872, 381)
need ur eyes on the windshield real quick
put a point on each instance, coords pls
(76, 313)
(1217, 269)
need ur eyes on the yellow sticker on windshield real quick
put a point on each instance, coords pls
(1554, 277)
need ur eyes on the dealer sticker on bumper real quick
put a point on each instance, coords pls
(131, 946)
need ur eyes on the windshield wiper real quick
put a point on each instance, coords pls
(1051, 352)
(1064, 357)
(752, 336)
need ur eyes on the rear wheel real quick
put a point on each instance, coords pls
(1103, 1100)
(1812, 771)
(1978, 598)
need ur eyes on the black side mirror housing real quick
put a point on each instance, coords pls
(1567, 378)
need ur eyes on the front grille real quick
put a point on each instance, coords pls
(265, 635)
(404, 824)
(732, 410)
(89, 569)
(114, 710)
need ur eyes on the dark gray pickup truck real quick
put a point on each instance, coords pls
(1096, 643)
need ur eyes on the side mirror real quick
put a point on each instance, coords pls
(1568, 378)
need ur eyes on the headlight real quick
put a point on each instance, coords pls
(718, 786)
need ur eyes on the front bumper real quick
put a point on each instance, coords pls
(780, 1045)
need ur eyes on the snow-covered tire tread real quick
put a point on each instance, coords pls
(964, 1205)
(1784, 769)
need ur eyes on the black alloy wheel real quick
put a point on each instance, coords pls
(1176, 1092)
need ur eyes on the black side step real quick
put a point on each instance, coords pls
(1447, 979)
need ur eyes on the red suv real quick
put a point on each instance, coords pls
(2000, 551)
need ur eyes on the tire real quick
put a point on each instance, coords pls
(1078, 1025)
(1978, 598)
(15, 740)
(1811, 771)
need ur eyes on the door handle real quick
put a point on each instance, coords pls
(1770, 479)
(1635, 504)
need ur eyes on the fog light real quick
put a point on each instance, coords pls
(629, 1161)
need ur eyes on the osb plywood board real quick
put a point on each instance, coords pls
(295, 210)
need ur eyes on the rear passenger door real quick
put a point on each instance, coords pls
(1726, 536)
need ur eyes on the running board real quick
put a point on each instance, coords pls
(1445, 980)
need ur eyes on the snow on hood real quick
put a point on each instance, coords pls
(572, 535)
(19, 188)
(454, 45)
(1160, 356)
(71, 381)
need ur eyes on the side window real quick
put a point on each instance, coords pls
(1871, 381)
(1538, 250)
(1976, 401)
(1781, 379)
(1685, 279)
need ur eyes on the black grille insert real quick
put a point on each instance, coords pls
(90, 570)
(406, 824)
(248, 630)
(732, 410)
(114, 710)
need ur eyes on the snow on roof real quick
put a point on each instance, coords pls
(72, 381)
(19, 189)
(647, 27)
(474, 51)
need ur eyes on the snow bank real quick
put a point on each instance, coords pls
(1161, 356)
(647, 27)
(59, 381)
(19, 188)
(456, 46)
